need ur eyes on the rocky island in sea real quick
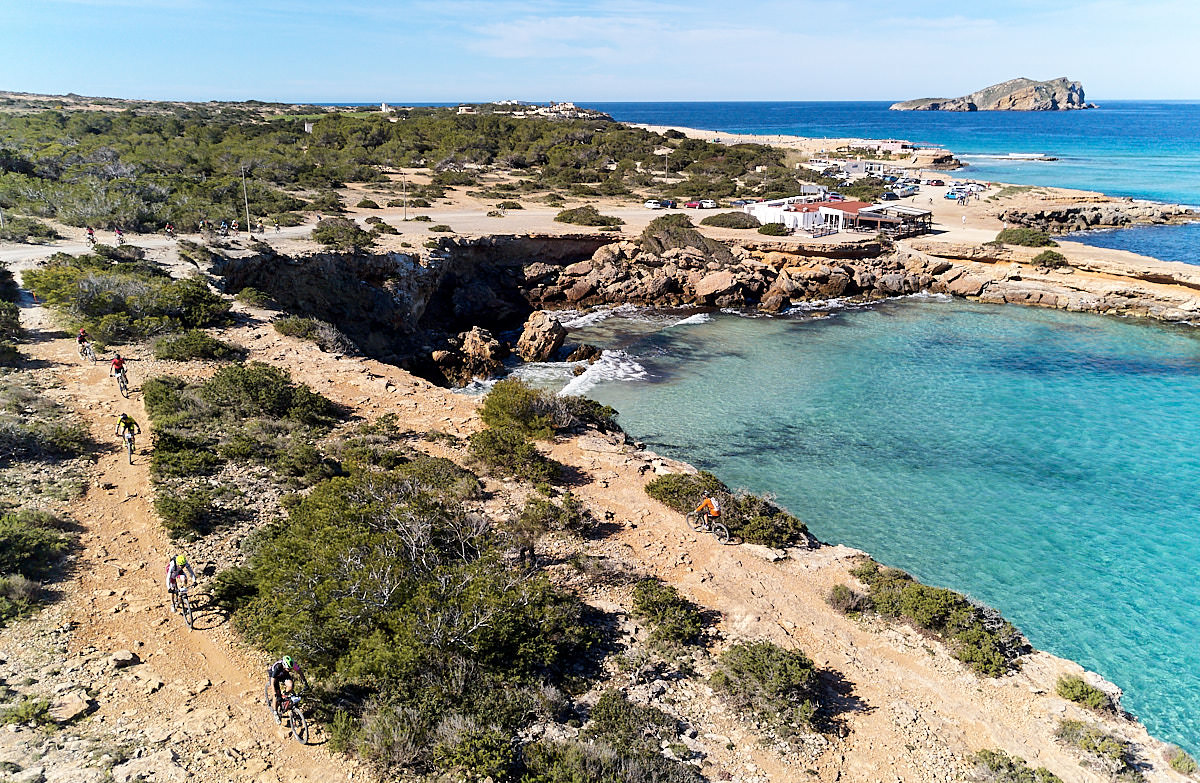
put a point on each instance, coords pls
(1013, 95)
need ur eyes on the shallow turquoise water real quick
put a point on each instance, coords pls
(1043, 462)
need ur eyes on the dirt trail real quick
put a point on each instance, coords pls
(201, 686)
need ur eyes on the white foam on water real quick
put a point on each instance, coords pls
(698, 318)
(611, 366)
(745, 313)
(578, 319)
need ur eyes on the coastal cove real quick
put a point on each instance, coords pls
(1050, 455)
(1143, 149)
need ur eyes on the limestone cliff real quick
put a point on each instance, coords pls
(1012, 95)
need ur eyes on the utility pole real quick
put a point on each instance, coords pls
(404, 190)
(246, 199)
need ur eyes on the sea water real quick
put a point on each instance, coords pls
(1045, 463)
(1169, 243)
(1144, 149)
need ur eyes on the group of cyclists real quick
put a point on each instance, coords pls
(204, 226)
(282, 674)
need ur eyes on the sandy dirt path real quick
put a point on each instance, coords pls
(201, 686)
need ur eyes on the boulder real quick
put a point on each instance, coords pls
(715, 284)
(69, 706)
(541, 337)
(584, 353)
(122, 658)
(160, 767)
(482, 353)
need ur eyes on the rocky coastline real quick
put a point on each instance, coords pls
(1013, 95)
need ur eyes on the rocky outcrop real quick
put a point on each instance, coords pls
(474, 354)
(541, 338)
(1064, 218)
(1012, 95)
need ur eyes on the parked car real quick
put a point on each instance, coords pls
(935, 183)
(653, 204)
(668, 203)
(708, 203)
(888, 195)
(835, 197)
(903, 191)
(954, 195)
(692, 205)
(738, 202)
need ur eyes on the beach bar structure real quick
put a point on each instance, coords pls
(818, 218)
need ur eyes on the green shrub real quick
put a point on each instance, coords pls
(673, 619)
(1051, 259)
(327, 336)
(577, 762)
(534, 413)
(587, 215)
(509, 205)
(422, 219)
(1180, 761)
(287, 219)
(846, 601)
(440, 228)
(30, 710)
(248, 390)
(27, 230)
(193, 344)
(1074, 688)
(384, 228)
(30, 544)
(232, 588)
(512, 454)
(342, 234)
(367, 203)
(18, 597)
(866, 189)
(184, 515)
(542, 514)
(731, 220)
(774, 230)
(996, 766)
(181, 455)
(978, 637)
(754, 519)
(329, 201)
(254, 297)
(1111, 752)
(776, 686)
(1025, 237)
(627, 727)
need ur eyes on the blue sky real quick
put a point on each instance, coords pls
(450, 50)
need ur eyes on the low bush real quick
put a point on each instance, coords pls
(440, 228)
(367, 203)
(509, 205)
(287, 219)
(1025, 237)
(372, 220)
(575, 762)
(31, 547)
(587, 215)
(676, 231)
(511, 454)
(774, 230)
(30, 711)
(342, 234)
(232, 588)
(328, 201)
(673, 619)
(254, 297)
(184, 515)
(533, 413)
(846, 601)
(978, 637)
(996, 766)
(1051, 259)
(193, 344)
(27, 231)
(731, 220)
(777, 686)
(1074, 688)
(1181, 761)
(421, 219)
(384, 228)
(752, 518)
(327, 336)
(1110, 753)
(542, 514)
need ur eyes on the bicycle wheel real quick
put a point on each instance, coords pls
(129, 448)
(174, 602)
(720, 532)
(187, 611)
(298, 725)
(123, 385)
(696, 521)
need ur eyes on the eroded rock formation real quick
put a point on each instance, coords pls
(1013, 95)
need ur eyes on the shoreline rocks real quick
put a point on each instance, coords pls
(1013, 95)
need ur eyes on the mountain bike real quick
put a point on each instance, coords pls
(180, 601)
(86, 353)
(122, 383)
(129, 443)
(700, 522)
(289, 709)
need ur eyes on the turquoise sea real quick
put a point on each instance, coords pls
(1045, 463)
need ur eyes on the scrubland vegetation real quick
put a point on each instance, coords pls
(753, 519)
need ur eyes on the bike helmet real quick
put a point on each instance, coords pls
(707, 494)
(288, 663)
(180, 560)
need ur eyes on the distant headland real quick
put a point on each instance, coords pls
(1012, 95)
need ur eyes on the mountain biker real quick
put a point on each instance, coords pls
(127, 424)
(710, 506)
(118, 366)
(235, 227)
(82, 337)
(170, 230)
(179, 566)
(284, 670)
(91, 234)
